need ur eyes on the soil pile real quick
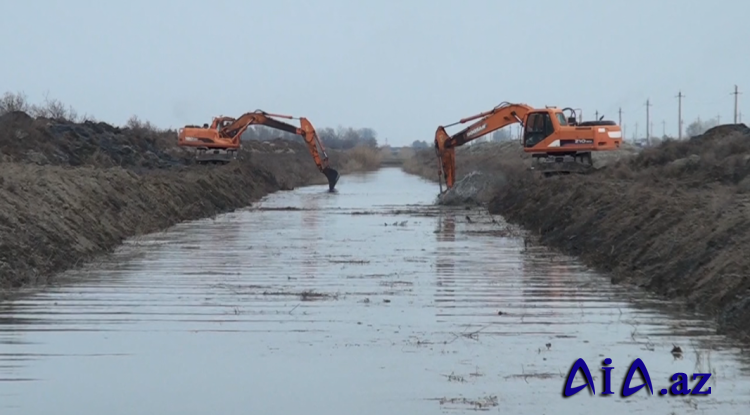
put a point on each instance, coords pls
(720, 156)
(69, 192)
(47, 142)
(674, 219)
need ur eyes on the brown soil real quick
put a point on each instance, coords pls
(69, 192)
(674, 219)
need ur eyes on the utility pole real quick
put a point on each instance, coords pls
(736, 94)
(596, 116)
(679, 115)
(718, 119)
(663, 128)
(648, 122)
(619, 113)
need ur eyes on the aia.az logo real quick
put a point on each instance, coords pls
(679, 387)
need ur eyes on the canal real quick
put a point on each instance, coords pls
(366, 301)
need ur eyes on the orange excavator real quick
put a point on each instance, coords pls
(220, 142)
(559, 144)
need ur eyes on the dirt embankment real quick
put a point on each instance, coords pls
(674, 219)
(70, 191)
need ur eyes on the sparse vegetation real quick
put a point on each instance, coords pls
(361, 158)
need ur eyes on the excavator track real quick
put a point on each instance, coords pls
(550, 165)
(214, 156)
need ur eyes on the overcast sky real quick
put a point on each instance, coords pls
(400, 67)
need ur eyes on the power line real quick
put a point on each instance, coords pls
(679, 115)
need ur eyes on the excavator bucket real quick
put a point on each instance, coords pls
(332, 176)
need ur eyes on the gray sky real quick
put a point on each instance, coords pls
(400, 67)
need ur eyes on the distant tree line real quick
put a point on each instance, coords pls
(341, 138)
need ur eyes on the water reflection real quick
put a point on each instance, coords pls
(550, 280)
(225, 327)
(312, 233)
(446, 248)
(445, 260)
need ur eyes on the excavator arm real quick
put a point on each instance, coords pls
(306, 130)
(489, 121)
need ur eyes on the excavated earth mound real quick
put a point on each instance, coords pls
(47, 142)
(719, 156)
(674, 219)
(69, 192)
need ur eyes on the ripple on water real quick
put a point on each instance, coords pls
(365, 301)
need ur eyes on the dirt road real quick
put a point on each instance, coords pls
(369, 301)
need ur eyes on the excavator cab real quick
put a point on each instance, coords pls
(538, 127)
(562, 145)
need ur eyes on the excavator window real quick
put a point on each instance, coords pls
(538, 127)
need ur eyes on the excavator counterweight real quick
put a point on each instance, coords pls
(558, 144)
(219, 142)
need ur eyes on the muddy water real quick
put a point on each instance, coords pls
(363, 302)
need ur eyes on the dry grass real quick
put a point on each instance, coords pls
(424, 163)
(360, 158)
(397, 158)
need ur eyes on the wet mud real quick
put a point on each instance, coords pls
(371, 300)
(672, 219)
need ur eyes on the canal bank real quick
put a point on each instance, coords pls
(672, 219)
(70, 192)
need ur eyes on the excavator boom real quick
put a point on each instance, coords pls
(489, 121)
(225, 132)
